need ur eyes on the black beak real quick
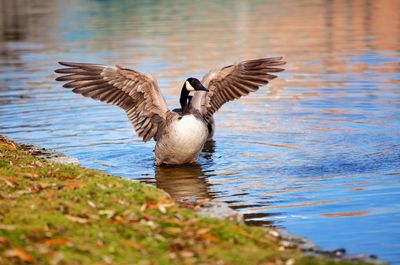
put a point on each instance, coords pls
(202, 88)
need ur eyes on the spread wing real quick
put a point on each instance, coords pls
(237, 80)
(137, 93)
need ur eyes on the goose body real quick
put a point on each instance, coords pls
(179, 134)
(183, 139)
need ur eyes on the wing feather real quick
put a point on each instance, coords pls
(234, 81)
(137, 93)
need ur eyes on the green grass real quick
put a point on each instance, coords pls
(61, 214)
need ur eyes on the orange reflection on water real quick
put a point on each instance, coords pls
(346, 214)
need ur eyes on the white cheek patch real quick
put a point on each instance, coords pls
(189, 86)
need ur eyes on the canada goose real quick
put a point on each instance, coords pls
(179, 134)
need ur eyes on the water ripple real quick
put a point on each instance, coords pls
(320, 147)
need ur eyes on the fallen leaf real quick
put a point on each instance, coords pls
(35, 188)
(75, 184)
(10, 181)
(186, 254)
(57, 258)
(122, 202)
(38, 164)
(173, 230)
(66, 177)
(77, 219)
(135, 245)
(153, 206)
(119, 220)
(177, 244)
(7, 227)
(46, 185)
(55, 241)
(91, 204)
(162, 209)
(51, 194)
(108, 213)
(116, 185)
(147, 217)
(101, 186)
(290, 262)
(18, 253)
(107, 259)
(3, 241)
(150, 224)
(210, 238)
(94, 217)
(143, 207)
(99, 243)
(172, 255)
(202, 231)
(31, 175)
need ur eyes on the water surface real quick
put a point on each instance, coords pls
(316, 152)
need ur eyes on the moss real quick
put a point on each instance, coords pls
(59, 214)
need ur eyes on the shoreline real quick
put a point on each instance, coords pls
(287, 249)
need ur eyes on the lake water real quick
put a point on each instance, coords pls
(317, 152)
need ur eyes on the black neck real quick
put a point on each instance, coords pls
(184, 98)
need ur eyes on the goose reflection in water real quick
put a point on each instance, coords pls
(186, 182)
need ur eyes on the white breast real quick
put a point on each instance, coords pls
(183, 142)
(189, 132)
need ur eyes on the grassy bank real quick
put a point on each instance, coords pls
(60, 214)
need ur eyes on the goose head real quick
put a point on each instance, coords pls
(191, 84)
